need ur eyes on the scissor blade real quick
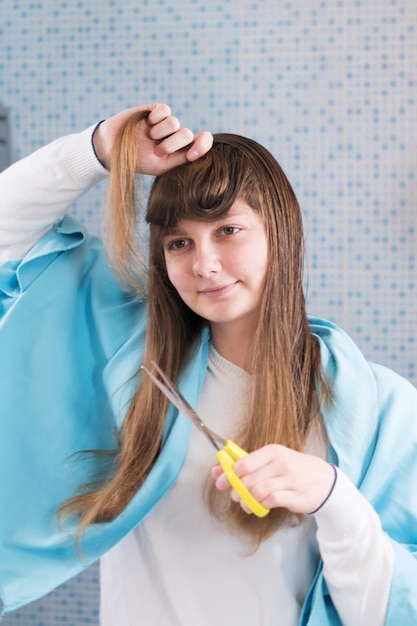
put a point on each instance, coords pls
(178, 400)
(174, 389)
(165, 390)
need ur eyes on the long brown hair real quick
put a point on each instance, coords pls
(285, 361)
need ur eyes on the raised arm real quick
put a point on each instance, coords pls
(37, 191)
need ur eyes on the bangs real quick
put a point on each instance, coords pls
(204, 189)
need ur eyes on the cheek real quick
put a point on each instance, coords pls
(255, 262)
(170, 269)
(174, 272)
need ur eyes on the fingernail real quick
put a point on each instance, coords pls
(192, 155)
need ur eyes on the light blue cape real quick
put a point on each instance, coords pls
(71, 343)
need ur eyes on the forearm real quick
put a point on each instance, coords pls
(357, 556)
(37, 191)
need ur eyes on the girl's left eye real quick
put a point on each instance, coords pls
(229, 230)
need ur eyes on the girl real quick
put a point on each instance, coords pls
(222, 312)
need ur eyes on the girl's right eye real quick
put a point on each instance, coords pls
(177, 244)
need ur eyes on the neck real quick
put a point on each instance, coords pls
(235, 344)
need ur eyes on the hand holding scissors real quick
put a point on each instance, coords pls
(228, 452)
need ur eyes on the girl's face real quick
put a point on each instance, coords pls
(218, 268)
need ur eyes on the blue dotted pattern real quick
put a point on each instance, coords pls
(329, 86)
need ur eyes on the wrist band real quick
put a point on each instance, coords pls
(92, 144)
(329, 494)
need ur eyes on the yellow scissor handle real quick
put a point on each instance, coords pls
(227, 457)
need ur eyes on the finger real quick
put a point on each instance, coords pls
(288, 499)
(201, 145)
(164, 128)
(236, 498)
(245, 507)
(222, 483)
(174, 143)
(259, 459)
(216, 471)
(158, 111)
(269, 491)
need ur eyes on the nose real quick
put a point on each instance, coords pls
(206, 261)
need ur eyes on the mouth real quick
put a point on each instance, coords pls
(218, 290)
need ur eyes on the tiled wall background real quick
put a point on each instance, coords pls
(329, 86)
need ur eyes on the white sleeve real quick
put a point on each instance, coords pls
(37, 191)
(358, 557)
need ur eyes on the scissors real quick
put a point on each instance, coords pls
(227, 451)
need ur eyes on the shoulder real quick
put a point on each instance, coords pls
(371, 406)
(344, 361)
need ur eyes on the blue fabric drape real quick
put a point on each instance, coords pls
(71, 342)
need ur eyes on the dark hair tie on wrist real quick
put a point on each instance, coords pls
(330, 492)
(92, 144)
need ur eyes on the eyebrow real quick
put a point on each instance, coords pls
(173, 231)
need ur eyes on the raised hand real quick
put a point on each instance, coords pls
(161, 141)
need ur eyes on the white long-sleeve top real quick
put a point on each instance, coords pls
(141, 580)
